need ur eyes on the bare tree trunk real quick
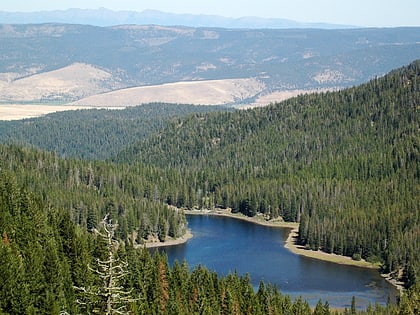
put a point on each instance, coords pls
(113, 298)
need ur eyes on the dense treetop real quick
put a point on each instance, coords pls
(48, 265)
(346, 165)
(95, 133)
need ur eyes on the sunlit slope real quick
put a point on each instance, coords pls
(63, 62)
(210, 92)
(65, 84)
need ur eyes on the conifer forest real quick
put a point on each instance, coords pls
(75, 214)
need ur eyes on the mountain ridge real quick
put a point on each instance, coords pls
(344, 164)
(106, 17)
(136, 56)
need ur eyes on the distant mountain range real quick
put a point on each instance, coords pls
(105, 17)
(69, 62)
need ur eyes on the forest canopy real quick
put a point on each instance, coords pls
(344, 164)
(95, 134)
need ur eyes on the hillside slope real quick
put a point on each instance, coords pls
(106, 17)
(95, 134)
(144, 55)
(345, 164)
(65, 84)
(209, 92)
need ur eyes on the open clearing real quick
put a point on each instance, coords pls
(208, 92)
(81, 86)
(69, 83)
(22, 111)
(279, 96)
(16, 112)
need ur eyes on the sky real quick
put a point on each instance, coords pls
(375, 13)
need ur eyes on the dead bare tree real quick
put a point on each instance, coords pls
(111, 297)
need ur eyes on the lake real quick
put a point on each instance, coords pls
(225, 245)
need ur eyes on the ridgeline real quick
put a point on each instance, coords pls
(346, 165)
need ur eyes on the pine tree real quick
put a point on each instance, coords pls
(353, 306)
(319, 309)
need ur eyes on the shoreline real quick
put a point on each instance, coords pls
(258, 219)
(292, 246)
(170, 242)
(290, 243)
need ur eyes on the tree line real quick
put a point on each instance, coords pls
(89, 190)
(346, 164)
(49, 264)
(95, 134)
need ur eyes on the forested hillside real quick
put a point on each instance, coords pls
(344, 164)
(49, 265)
(95, 134)
(88, 190)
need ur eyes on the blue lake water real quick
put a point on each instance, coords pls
(226, 245)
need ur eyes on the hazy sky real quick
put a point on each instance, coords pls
(351, 12)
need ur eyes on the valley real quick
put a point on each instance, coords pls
(81, 64)
(315, 129)
(156, 94)
(24, 111)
